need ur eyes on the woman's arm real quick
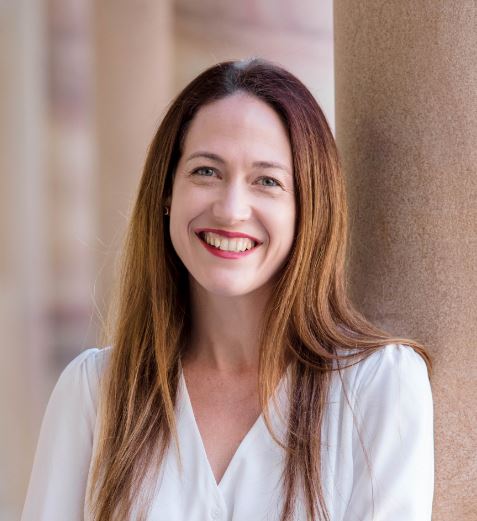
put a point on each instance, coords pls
(56, 491)
(394, 409)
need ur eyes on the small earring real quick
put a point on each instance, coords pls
(166, 210)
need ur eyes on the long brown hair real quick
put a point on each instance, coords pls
(310, 324)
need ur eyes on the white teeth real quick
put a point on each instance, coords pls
(228, 244)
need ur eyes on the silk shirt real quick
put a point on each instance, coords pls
(383, 403)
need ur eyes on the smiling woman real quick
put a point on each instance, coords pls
(240, 382)
(240, 142)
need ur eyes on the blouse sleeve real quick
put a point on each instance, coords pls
(393, 478)
(57, 486)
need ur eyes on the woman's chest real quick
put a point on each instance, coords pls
(251, 484)
(224, 415)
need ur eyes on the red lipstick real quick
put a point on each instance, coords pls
(226, 254)
(228, 234)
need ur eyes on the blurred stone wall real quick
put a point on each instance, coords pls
(23, 256)
(297, 35)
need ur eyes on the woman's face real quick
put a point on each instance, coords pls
(235, 176)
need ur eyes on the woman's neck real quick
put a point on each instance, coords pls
(225, 330)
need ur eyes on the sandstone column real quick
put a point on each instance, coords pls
(71, 181)
(23, 255)
(133, 45)
(406, 120)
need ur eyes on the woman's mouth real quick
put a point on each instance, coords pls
(225, 247)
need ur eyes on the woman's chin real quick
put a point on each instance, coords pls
(226, 288)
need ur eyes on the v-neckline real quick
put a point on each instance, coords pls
(254, 430)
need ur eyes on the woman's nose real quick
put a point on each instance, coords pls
(232, 204)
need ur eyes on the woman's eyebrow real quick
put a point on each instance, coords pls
(258, 164)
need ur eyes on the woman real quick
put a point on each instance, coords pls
(241, 384)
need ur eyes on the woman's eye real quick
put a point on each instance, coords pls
(208, 171)
(276, 183)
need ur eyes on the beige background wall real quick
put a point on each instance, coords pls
(406, 118)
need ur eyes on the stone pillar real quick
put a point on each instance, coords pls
(23, 251)
(406, 119)
(71, 183)
(133, 44)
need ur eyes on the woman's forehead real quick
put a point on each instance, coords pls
(239, 124)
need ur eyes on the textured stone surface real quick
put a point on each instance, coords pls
(406, 120)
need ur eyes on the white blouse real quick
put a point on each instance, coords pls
(390, 395)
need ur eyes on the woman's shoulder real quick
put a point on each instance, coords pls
(90, 361)
(63, 454)
(390, 367)
(391, 358)
(88, 366)
(386, 431)
(80, 379)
